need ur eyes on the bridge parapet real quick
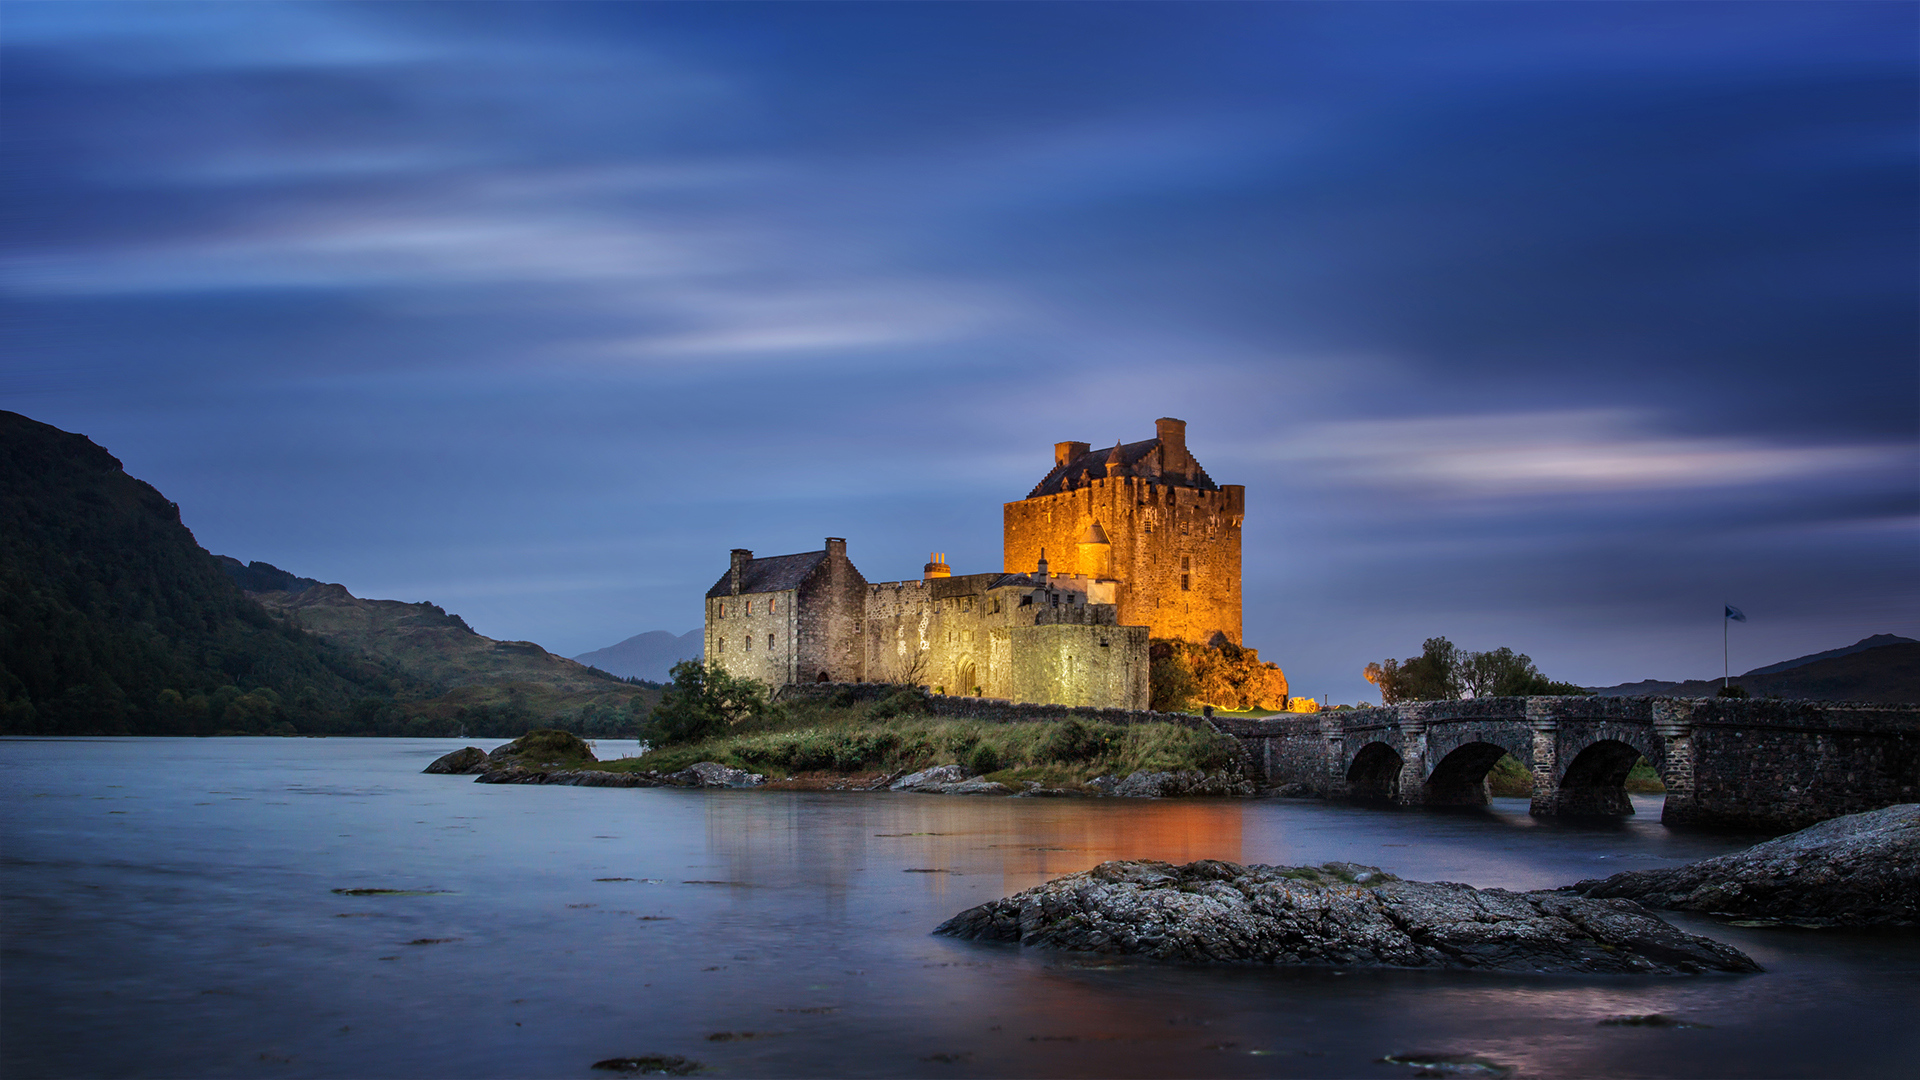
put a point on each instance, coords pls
(1766, 765)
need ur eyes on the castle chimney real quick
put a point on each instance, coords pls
(1173, 446)
(936, 567)
(1065, 452)
(741, 557)
(1041, 573)
(836, 548)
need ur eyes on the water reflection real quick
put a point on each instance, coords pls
(169, 930)
(776, 841)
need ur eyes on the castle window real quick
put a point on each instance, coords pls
(769, 642)
(746, 644)
(770, 606)
(1186, 562)
(720, 646)
(722, 611)
(1186, 583)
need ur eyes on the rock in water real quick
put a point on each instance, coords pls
(714, 774)
(1858, 870)
(1338, 915)
(469, 759)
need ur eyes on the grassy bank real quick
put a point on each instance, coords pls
(1509, 778)
(893, 736)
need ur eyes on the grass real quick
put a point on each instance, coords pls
(822, 737)
(1510, 779)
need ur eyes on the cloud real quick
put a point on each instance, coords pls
(1573, 453)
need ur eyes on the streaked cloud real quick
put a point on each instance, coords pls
(1569, 453)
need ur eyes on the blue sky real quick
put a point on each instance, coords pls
(1553, 326)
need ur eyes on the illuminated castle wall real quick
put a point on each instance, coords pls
(1147, 518)
(1138, 541)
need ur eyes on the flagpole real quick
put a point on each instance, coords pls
(1726, 664)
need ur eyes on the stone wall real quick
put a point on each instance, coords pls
(960, 633)
(755, 635)
(1808, 761)
(1078, 664)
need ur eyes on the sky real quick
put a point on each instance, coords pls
(1552, 326)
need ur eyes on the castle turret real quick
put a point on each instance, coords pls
(1096, 552)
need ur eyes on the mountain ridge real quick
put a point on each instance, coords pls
(1886, 673)
(650, 655)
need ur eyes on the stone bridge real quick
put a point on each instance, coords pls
(1766, 765)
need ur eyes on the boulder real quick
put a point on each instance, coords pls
(1337, 915)
(1857, 870)
(470, 759)
(714, 774)
(543, 747)
(934, 779)
(1160, 785)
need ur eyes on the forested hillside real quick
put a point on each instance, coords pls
(113, 620)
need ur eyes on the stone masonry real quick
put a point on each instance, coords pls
(1148, 522)
(1762, 765)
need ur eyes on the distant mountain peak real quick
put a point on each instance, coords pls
(1874, 642)
(648, 656)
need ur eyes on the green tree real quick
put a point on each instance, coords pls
(704, 701)
(1443, 672)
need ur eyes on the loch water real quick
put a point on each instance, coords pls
(172, 909)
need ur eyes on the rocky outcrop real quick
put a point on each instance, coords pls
(469, 759)
(1161, 785)
(1337, 915)
(706, 774)
(1858, 870)
(948, 780)
(934, 779)
(713, 774)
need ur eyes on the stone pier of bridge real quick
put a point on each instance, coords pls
(1764, 765)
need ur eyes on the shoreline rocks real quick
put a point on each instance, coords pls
(519, 762)
(1857, 870)
(467, 759)
(1337, 915)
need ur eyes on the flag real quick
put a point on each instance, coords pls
(1736, 614)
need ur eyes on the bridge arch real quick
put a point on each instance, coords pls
(1594, 783)
(1460, 778)
(1375, 773)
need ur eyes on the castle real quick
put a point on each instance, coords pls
(1110, 548)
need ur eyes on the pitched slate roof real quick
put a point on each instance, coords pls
(1092, 465)
(775, 573)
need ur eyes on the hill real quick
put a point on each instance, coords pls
(1883, 673)
(477, 680)
(1862, 645)
(113, 619)
(648, 656)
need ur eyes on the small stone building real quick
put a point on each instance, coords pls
(1146, 544)
(789, 618)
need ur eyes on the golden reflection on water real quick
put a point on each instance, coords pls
(1025, 842)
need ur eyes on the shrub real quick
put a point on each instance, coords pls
(899, 703)
(703, 702)
(984, 759)
(1074, 741)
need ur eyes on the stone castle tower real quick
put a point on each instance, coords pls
(1146, 517)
